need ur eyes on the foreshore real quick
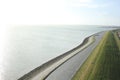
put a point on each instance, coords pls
(44, 70)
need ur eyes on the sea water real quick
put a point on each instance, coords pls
(24, 48)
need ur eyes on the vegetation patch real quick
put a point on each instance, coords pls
(117, 37)
(103, 63)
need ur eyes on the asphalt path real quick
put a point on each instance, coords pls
(68, 69)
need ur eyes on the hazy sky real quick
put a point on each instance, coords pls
(35, 12)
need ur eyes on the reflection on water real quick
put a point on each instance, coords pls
(24, 48)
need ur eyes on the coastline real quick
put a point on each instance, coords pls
(44, 70)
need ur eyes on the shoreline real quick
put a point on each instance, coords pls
(45, 69)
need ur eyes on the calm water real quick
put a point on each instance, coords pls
(25, 48)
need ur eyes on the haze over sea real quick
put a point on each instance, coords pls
(27, 47)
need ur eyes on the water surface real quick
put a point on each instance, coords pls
(24, 48)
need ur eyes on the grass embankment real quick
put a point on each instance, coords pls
(103, 63)
(117, 38)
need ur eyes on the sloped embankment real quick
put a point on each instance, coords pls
(41, 72)
(103, 63)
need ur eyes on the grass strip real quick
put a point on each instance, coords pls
(103, 63)
(115, 32)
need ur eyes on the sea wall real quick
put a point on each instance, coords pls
(44, 70)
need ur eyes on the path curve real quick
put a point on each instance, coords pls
(46, 69)
(68, 69)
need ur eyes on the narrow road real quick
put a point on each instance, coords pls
(67, 70)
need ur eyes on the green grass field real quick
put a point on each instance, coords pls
(117, 38)
(104, 61)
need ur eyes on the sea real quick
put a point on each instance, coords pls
(23, 48)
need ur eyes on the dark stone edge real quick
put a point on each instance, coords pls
(44, 66)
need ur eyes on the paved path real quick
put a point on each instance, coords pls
(67, 70)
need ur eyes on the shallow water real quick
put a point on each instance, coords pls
(24, 48)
